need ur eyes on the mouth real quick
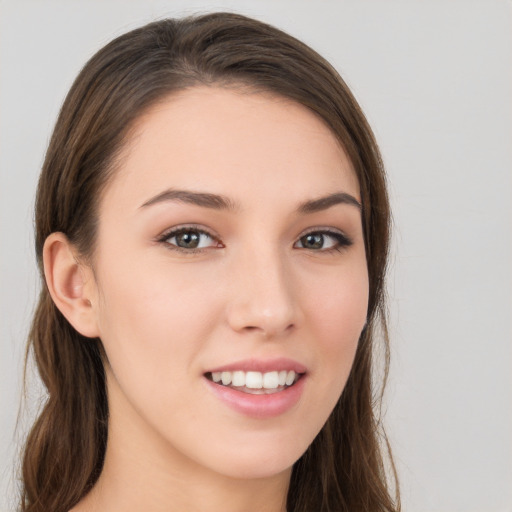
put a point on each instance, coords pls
(256, 383)
(258, 388)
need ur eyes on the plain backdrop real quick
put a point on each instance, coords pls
(435, 81)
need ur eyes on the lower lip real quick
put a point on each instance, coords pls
(259, 406)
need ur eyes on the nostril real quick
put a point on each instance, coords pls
(269, 331)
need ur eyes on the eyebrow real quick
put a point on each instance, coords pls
(220, 202)
(204, 199)
(323, 203)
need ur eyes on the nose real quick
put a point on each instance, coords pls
(262, 296)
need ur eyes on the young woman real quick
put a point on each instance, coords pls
(212, 231)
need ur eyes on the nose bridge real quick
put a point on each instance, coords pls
(262, 296)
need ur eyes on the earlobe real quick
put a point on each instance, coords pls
(66, 279)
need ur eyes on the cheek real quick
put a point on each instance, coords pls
(153, 322)
(154, 327)
(338, 307)
(338, 315)
(152, 295)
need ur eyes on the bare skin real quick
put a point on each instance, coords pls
(181, 285)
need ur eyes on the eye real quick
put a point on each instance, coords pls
(323, 240)
(189, 239)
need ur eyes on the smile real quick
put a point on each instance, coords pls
(256, 383)
(258, 388)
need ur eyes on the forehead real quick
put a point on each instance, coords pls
(238, 143)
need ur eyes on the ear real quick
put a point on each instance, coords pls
(70, 284)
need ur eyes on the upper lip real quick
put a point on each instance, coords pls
(261, 365)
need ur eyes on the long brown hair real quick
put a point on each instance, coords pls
(344, 468)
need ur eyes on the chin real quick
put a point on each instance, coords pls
(259, 461)
(248, 470)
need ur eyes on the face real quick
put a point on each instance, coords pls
(230, 283)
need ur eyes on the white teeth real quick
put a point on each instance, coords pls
(253, 380)
(271, 380)
(238, 379)
(256, 380)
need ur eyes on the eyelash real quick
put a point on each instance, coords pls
(342, 241)
(174, 232)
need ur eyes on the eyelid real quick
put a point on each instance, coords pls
(322, 229)
(342, 238)
(176, 230)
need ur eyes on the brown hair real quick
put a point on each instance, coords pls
(344, 468)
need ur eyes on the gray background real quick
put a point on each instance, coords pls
(435, 80)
